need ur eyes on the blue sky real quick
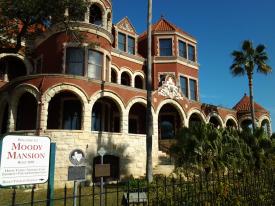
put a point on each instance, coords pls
(219, 27)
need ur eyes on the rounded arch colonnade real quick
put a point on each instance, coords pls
(68, 107)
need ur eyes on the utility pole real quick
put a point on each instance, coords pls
(149, 118)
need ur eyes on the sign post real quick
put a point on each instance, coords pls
(50, 192)
(24, 160)
(101, 152)
(76, 172)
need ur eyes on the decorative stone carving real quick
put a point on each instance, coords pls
(126, 27)
(169, 89)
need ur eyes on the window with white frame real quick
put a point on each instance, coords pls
(191, 53)
(165, 47)
(122, 42)
(75, 61)
(95, 64)
(126, 43)
(184, 85)
(193, 89)
(82, 61)
(131, 45)
(182, 49)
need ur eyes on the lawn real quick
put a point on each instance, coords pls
(23, 196)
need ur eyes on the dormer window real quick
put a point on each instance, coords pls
(95, 15)
(126, 43)
(165, 47)
(122, 42)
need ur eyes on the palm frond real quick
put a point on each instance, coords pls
(264, 68)
(260, 48)
(247, 46)
(237, 70)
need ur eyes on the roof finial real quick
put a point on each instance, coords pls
(245, 94)
(162, 16)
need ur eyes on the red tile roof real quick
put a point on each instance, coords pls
(244, 105)
(164, 25)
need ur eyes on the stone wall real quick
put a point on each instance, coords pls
(130, 148)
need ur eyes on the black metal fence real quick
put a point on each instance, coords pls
(227, 188)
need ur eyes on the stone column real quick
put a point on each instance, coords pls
(87, 117)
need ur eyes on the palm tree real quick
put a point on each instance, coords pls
(245, 61)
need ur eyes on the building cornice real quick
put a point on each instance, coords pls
(176, 33)
(77, 26)
(179, 60)
(128, 57)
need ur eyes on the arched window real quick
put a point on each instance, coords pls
(105, 116)
(246, 124)
(11, 67)
(26, 112)
(137, 119)
(169, 122)
(214, 121)
(125, 79)
(113, 76)
(231, 124)
(95, 15)
(194, 120)
(138, 82)
(65, 112)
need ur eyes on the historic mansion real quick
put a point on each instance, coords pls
(92, 94)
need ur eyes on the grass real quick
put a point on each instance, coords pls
(23, 196)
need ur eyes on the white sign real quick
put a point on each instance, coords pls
(101, 151)
(77, 157)
(24, 160)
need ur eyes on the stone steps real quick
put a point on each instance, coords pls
(163, 170)
(165, 164)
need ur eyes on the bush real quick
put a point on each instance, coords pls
(208, 148)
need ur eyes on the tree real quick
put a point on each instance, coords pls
(244, 62)
(149, 118)
(21, 18)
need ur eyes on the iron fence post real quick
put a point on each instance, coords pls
(32, 195)
(65, 195)
(13, 196)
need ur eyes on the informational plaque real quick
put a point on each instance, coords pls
(24, 160)
(76, 173)
(102, 170)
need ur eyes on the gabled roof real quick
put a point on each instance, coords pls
(126, 25)
(165, 26)
(244, 105)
